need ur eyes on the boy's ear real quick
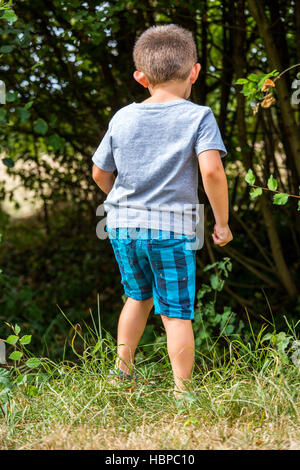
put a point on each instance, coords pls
(140, 77)
(195, 72)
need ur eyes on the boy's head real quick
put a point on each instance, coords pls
(165, 53)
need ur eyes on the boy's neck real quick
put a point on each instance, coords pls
(163, 95)
(161, 100)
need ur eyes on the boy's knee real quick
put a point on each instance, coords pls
(169, 320)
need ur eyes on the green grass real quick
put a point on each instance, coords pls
(245, 398)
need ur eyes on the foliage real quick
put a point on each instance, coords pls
(278, 199)
(24, 374)
(68, 68)
(257, 87)
(209, 323)
(8, 13)
(253, 385)
(46, 273)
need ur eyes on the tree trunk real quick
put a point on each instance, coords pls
(297, 14)
(239, 63)
(200, 86)
(283, 271)
(289, 125)
(227, 63)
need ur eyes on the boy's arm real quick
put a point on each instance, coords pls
(104, 179)
(215, 186)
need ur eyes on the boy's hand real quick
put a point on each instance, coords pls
(222, 235)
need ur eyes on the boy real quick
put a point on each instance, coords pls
(156, 146)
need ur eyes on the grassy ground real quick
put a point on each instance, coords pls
(247, 398)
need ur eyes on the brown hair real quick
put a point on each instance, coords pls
(165, 53)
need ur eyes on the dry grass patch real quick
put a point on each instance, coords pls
(168, 433)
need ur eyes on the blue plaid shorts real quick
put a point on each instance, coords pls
(162, 266)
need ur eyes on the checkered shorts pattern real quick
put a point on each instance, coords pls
(164, 268)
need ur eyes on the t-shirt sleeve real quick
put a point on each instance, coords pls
(209, 136)
(103, 157)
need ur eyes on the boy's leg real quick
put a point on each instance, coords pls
(181, 350)
(131, 325)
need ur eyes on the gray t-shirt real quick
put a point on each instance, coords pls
(154, 148)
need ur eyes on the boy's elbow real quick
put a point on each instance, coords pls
(213, 172)
(210, 164)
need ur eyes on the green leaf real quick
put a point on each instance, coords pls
(24, 114)
(298, 205)
(274, 73)
(11, 96)
(12, 339)
(214, 281)
(203, 290)
(256, 192)
(247, 92)
(250, 178)
(16, 355)
(253, 77)
(6, 49)
(40, 126)
(282, 341)
(17, 329)
(26, 339)
(280, 199)
(28, 105)
(33, 362)
(22, 379)
(228, 330)
(9, 15)
(241, 81)
(272, 183)
(8, 162)
(2, 114)
(56, 142)
(53, 120)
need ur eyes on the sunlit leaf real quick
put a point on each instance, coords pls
(9, 15)
(33, 362)
(12, 339)
(17, 329)
(26, 339)
(16, 355)
(256, 192)
(280, 199)
(272, 183)
(250, 178)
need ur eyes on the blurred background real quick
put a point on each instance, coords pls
(67, 68)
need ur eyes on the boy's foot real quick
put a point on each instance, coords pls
(181, 396)
(122, 375)
(119, 375)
